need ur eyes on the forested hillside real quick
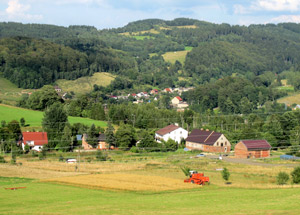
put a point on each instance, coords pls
(232, 70)
(218, 51)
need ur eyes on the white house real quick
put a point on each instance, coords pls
(173, 132)
(35, 140)
(176, 100)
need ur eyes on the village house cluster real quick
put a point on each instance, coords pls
(198, 139)
(145, 97)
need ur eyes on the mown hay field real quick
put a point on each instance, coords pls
(129, 182)
(261, 176)
(85, 84)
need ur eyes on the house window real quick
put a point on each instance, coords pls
(217, 143)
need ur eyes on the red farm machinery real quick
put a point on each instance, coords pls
(197, 178)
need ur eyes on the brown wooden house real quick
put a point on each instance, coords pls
(207, 141)
(252, 149)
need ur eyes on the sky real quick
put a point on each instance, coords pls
(117, 13)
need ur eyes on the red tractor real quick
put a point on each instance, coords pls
(197, 178)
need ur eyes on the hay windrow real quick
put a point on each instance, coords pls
(128, 182)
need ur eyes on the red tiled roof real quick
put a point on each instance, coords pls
(133, 94)
(203, 137)
(167, 129)
(178, 97)
(39, 138)
(168, 89)
(256, 144)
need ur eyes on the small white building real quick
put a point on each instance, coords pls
(173, 132)
(176, 100)
(35, 140)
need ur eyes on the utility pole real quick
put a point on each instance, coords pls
(78, 158)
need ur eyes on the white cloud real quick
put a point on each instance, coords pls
(287, 18)
(278, 5)
(15, 8)
(19, 12)
(240, 9)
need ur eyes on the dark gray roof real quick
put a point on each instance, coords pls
(203, 137)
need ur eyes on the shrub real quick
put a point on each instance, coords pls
(13, 159)
(61, 158)
(34, 154)
(27, 148)
(186, 170)
(100, 156)
(134, 149)
(2, 160)
(296, 175)
(225, 174)
(88, 159)
(282, 178)
(41, 156)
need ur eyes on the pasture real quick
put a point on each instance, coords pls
(85, 84)
(146, 183)
(9, 92)
(34, 118)
(177, 55)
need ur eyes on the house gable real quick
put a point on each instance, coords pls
(171, 132)
(209, 141)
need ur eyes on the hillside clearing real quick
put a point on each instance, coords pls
(34, 118)
(289, 100)
(9, 92)
(151, 31)
(187, 26)
(173, 56)
(85, 84)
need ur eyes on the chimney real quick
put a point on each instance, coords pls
(207, 129)
(201, 129)
(176, 124)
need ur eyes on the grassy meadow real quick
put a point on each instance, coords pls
(291, 99)
(43, 198)
(34, 118)
(9, 92)
(145, 183)
(187, 26)
(173, 56)
(85, 84)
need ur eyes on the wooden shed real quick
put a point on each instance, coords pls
(252, 149)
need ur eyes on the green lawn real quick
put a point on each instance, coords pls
(44, 198)
(188, 48)
(34, 118)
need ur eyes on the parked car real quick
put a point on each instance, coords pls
(200, 155)
(71, 160)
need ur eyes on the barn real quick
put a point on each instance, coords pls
(252, 149)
